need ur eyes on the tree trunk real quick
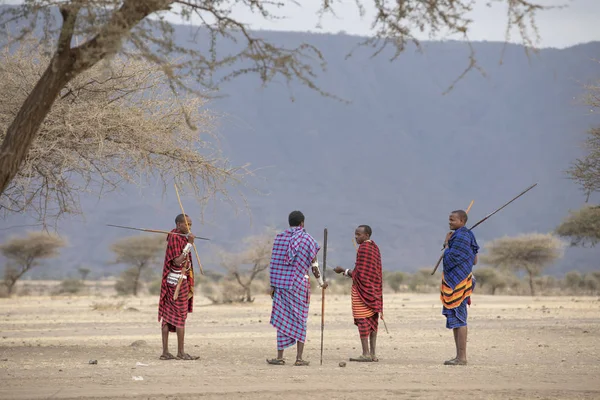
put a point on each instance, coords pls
(24, 128)
(136, 280)
(493, 290)
(248, 294)
(10, 286)
(531, 284)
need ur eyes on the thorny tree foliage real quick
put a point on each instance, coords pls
(93, 30)
(528, 252)
(582, 226)
(140, 253)
(108, 126)
(24, 253)
(586, 171)
(246, 265)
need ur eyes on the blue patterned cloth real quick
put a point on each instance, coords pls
(458, 265)
(459, 256)
(456, 317)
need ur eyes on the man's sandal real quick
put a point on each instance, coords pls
(168, 356)
(301, 363)
(188, 357)
(275, 361)
(362, 358)
(455, 361)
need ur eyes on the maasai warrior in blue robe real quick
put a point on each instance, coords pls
(294, 251)
(458, 282)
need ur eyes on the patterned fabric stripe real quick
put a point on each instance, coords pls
(359, 309)
(367, 325)
(452, 298)
(283, 341)
(456, 317)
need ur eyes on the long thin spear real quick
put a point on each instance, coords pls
(153, 231)
(489, 215)
(323, 290)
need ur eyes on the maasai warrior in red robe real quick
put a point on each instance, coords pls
(172, 313)
(367, 291)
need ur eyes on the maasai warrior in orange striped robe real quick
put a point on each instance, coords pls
(367, 293)
(458, 282)
(172, 313)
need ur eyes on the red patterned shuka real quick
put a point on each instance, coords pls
(174, 312)
(367, 288)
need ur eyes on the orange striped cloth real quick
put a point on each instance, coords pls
(359, 309)
(454, 298)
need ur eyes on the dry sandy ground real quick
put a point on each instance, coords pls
(519, 348)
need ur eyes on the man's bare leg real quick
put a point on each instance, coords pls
(455, 332)
(165, 343)
(299, 350)
(461, 344)
(364, 341)
(373, 340)
(180, 340)
(181, 354)
(280, 354)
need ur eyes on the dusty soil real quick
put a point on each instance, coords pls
(519, 348)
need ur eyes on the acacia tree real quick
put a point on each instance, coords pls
(93, 30)
(581, 226)
(139, 252)
(25, 253)
(490, 278)
(528, 252)
(246, 265)
(586, 170)
(111, 124)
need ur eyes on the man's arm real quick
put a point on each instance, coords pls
(345, 272)
(180, 253)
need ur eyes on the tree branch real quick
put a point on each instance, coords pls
(69, 14)
(108, 41)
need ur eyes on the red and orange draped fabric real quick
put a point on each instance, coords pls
(175, 311)
(367, 280)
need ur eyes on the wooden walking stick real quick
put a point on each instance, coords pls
(180, 280)
(443, 247)
(178, 287)
(323, 290)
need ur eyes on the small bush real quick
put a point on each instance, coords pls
(70, 286)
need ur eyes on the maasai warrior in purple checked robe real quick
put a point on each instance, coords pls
(293, 252)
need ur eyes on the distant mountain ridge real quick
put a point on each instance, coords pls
(399, 157)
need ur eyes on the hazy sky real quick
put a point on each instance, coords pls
(578, 23)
